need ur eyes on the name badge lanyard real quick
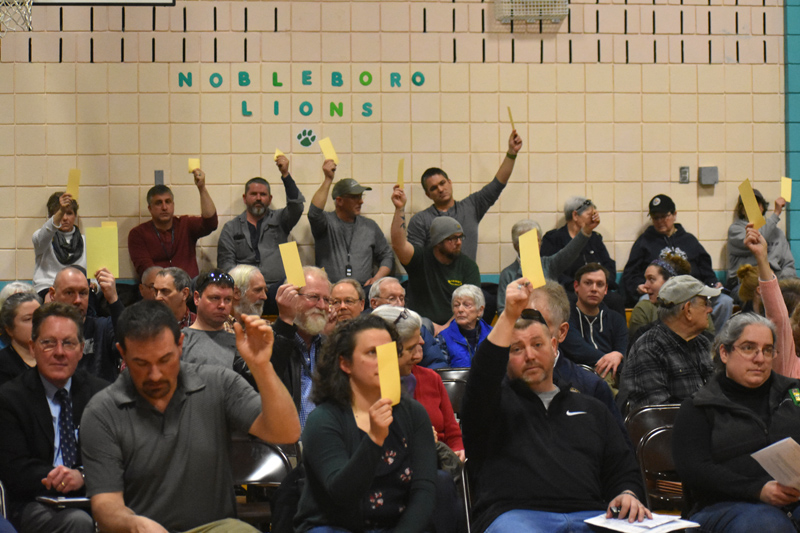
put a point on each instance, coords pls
(161, 242)
(348, 268)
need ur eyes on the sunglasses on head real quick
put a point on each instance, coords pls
(533, 314)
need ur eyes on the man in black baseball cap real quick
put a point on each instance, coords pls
(665, 236)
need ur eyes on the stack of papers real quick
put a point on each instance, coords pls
(660, 523)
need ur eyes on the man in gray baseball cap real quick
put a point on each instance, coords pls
(347, 245)
(435, 271)
(671, 360)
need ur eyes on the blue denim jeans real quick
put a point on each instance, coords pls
(524, 521)
(743, 517)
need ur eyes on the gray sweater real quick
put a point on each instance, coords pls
(333, 237)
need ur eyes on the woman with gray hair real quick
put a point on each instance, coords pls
(552, 265)
(467, 329)
(743, 408)
(422, 383)
(16, 316)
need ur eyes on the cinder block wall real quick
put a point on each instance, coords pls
(610, 103)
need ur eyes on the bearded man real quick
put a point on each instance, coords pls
(302, 316)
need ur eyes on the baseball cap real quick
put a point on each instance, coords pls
(443, 227)
(680, 289)
(661, 204)
(348, 186)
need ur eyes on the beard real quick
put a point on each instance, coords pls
(312, 321)
(249, 308)
(257, 210)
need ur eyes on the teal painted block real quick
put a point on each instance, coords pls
(793, 165)
(792, 136)
(792, 19)
(793, 107)
(792, 78)
(793, 225)
(792, 3)
(792, 44)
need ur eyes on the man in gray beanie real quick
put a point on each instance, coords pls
(435, 271)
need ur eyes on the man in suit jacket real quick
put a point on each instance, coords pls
(40, 413)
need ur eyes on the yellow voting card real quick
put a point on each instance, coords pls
(74, 183)
(389, 371)
(511, 118)
(108, 224)
(400, 172)
(193, 164)
(102, 250)
(529, 256)
(786, 188)
(327, 149)
(278, 153)
(292, 265)
(751, 206)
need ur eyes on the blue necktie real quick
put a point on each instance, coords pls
(66, 430)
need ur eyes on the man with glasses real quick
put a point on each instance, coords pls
(468, 212)
(250, 292)
(436, 270)
(347, 245)
(672, 360)
(347, 300)
(303, 315)
(146, 284)
(40, 414)
(100, 355)
(388, 291)
(544, 458)
(665, 236)
(167, 240)
(252, 238)
(206, 341)
(578, 211)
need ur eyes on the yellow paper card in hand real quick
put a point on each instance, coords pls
(102, 250)
(389, 371)
(530, 259)
(292, 265)
(400, 172)
(74, 183)
(278, 153)
(193, 164)
(327, 149)
(511, 118)
(108, 224)
(751, 206)
(786, 188)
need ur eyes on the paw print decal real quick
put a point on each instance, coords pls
(405, 475)
(306, 137)
(376, 499)
(388, 456)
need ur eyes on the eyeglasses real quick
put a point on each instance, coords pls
(455, 238)
(402, 316)
(315, 298)
(533, 314)
(347, 302)
(69, 345)
(749, 350)
(397, 301)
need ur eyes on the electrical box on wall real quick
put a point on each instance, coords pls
(708, 175)
(683, 177)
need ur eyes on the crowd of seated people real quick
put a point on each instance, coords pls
(147, 396)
